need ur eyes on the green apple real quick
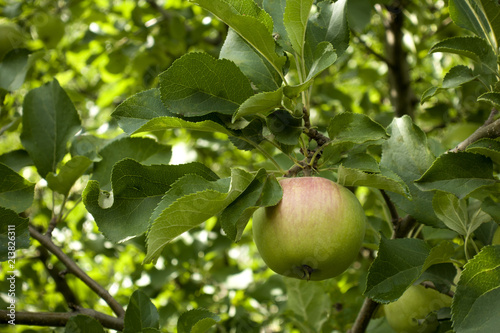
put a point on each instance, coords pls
(49, 28)
(10, 37)
(496, 237)
(314, 233)
(407, 314)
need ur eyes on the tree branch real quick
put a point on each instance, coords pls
(61, 284)
(364, 316)
(60, 319)
(490, 129)
(77, 271)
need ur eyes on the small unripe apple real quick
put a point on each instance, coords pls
(10, 37)
(496, 237)
(314, 233)
(50, 29)
(407, 314)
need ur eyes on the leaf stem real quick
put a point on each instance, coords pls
(265, 153)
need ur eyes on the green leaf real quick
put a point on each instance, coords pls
(49, 121)
(399, 263)
(361, 161)
(486, 147)
(68, 175)
(251, 63)
(355, 128)
(407, 154)
(198, 84)
(260, 104)
(474, 48)
(254, 25)
(452, 211)
(309, 302)
(13, 234)
(83, 324)
(196, 321)
(294, 91)
(458, 173)
(166, 123)
(276, 8)
(324, 56)
(491, 97)
(13, 69)
(480, 17)
(456, 77)
(295, 20)
(141, 313)
(191, 201)
(138, 109)
(16, 193)
(285, 128)
(137, 190)
(478, 293)
(356, 177)
(144, 150)
(329, 25)
(263, 191)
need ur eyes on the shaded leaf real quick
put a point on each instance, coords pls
(458, 173)
(83, 324)
(138, 109)
(166, 123)
(491, 97)
(16, 193)
(356, 177)
(13, 228)
(13, 69)
(308, 301)
(254, 25)
(487, 147)
(144, 150)
(191, 201)
(263, 191)
(406, 153)
(474, 48)
(399, 263)
(198, 84)
(49, 121)
(251, 63)
(137, 190)
(477, 297)
(260, 104)
(140, 314)
(196, 321)
(285, 128)
(68, 175)
(295, 20)
(355, 128)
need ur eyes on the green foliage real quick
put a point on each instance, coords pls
(137, 132)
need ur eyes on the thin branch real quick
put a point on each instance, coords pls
(77, 271)
(490, 129)
(372, 51)
(364, 315)
(57, 275)
(60, 319)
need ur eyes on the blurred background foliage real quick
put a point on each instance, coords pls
(103, 52)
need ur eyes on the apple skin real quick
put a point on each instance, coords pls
(415, 303)
(496, 237)
(314, 233)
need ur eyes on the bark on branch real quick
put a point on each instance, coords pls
(490, 129)
(60, 319)
(77, 271)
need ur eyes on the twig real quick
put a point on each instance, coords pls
(490, 129)
(372, 51)
(60, 319)
(61, 284)
(364, 315)
(77, 271)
